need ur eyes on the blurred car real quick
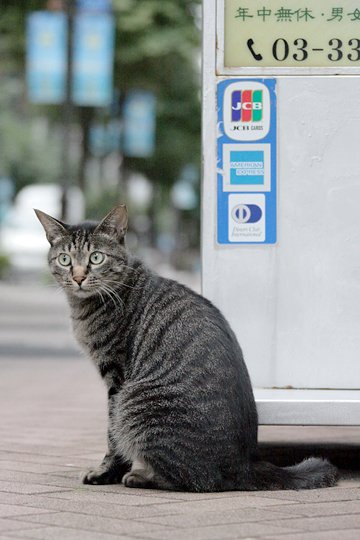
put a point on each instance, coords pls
(22, 237)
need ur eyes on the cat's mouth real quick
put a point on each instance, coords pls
(82, 290)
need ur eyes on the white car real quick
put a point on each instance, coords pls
(22, 238)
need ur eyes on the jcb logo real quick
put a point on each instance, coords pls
(246, 105)
(245, 110)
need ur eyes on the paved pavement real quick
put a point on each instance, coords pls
(52, 427)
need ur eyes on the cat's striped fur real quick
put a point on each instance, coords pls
(181, 410)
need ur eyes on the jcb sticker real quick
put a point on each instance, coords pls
(246, 111)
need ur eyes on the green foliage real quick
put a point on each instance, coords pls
(158, 49)
(98, 207)
(12, 32)
(4, 266)
(154, 29)
(25, 156)
(27, 153)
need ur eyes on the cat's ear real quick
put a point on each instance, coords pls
(115, 223)
(53, 227)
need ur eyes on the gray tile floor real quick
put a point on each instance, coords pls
(53, 426)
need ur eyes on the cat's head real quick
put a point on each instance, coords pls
(88, 258)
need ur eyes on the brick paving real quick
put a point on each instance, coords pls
(53, 426)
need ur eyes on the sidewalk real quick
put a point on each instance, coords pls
(53, 426)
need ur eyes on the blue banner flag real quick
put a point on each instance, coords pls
(139, 124)
(93, 58)
(46, 57)
(94, 5)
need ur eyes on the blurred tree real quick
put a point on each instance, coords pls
(12, 33)
(27, 152)
(158, 49)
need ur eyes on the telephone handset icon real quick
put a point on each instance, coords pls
(257, 56)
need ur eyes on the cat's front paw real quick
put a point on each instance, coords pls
(100, 476)
(134, 480)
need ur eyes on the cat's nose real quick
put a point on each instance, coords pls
(79, 278)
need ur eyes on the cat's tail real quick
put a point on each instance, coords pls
(309, 474)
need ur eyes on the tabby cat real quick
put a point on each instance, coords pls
(181, 410)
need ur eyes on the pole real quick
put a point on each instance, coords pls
(67, 111)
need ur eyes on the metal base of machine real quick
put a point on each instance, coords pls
(308, 407)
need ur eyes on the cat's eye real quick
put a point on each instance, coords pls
(97, 257)
(64, 259)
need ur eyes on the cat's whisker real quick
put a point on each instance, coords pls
(106, 283)
(101, 296)
(108, 294)
(122, 283)
(56, 288)
(130, 268)
(112, 294)
(51, 286)
(117, 296)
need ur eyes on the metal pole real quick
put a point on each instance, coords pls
(67, 112)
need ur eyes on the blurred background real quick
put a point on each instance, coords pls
(99, 105)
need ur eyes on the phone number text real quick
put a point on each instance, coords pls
(300, 49)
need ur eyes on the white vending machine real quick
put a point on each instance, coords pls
(281, 199)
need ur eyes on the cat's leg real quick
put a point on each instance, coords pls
(110, 471)
(143, 476)
(113, 467)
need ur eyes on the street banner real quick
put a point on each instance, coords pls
(139, 124)
(93, 58)
(104, 6)
(46, 57)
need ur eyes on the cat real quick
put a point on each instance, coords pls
(181, 411)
